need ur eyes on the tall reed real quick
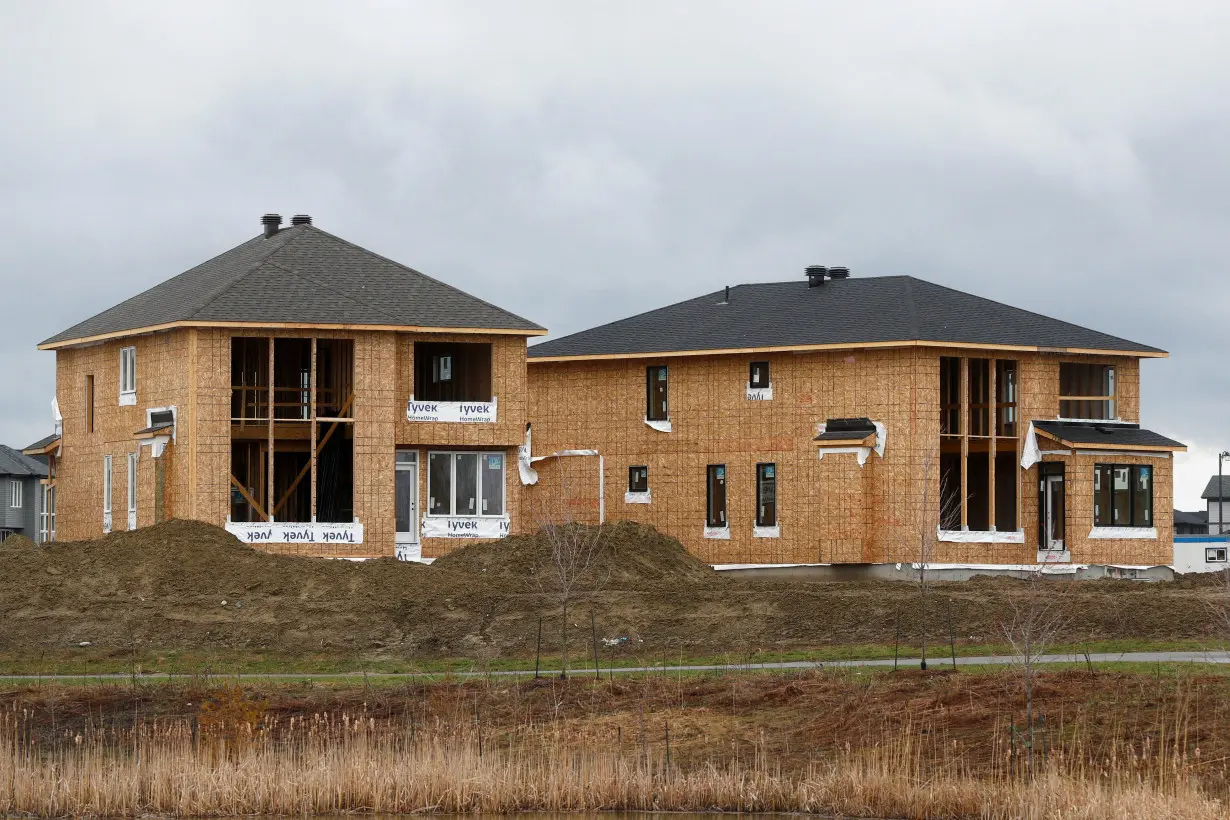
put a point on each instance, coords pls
(325, 764)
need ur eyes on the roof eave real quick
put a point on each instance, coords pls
(54, 344)
(1143, 353)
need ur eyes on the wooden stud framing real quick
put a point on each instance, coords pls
(964, 443)
(269, 481)
(991, 457)
(312, 383)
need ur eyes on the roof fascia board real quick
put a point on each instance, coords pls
(138, 331)
(1086, 445)
(845, 442)
(42, 451)
(1142, 354)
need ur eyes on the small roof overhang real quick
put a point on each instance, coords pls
(43, 447)
(1097, 435)
(155, 429)
(859, 432)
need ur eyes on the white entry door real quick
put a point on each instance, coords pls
(406, 501)
(1053, 504)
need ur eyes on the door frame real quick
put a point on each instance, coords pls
(1051, 475)
(413, 536)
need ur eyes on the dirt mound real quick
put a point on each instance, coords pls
(189, 587)
(627, 555)
(19, 542)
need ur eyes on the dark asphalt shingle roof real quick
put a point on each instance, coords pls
(304, 275)
(1120, 435)
(1210, 489)
(847, 311)
(42, 442)
(15, 463)
(846, 429)
(1201, 517)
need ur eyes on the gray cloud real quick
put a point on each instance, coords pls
(580, 162)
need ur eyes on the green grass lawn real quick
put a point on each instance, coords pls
(89, 661)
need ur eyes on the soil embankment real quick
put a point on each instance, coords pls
(186, 585)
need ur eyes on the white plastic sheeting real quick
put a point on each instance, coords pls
(1139, 533)
(464, 526)
(275, 532)
(410, 552)
(720, 533)
(767, 532)
(660, 426)
(638, 498)
(980, 537)
(1030, 454)
(463, 412)
(863, 453)
(760, 393)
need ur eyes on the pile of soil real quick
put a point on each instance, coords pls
(189, 586)
(625, 555)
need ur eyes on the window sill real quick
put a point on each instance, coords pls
(638, 498)
(1138, 533)
(464, 526)
(455, 412)
(663, 426)
(720, 533)
(767, 532)
(128, 399)
(980, 537)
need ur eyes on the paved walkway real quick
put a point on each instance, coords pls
(939, 661)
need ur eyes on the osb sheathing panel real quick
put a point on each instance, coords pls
(384, 364)
(507, 386)
(161, 381)
(829, 510)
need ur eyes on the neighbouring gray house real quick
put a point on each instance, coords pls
(1192, 523)
(21, 494)
(1215, 501)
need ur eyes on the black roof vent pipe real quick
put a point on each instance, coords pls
(272, 223)
(839, 273)
(815, 275)
(301, 219)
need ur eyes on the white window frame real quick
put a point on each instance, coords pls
(47, 519)
(15, 494)
(1215, 555)
(128, 375)
(107, 492)
(478, 487)
(132, 490)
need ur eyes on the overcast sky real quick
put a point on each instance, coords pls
(579, 162)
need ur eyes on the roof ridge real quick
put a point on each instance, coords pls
(430, 278)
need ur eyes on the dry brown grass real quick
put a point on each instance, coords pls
(325, 763)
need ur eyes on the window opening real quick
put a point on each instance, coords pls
(452, 371)
(107, 485)
(979, 470)
(1122, 495)
(292, 438)
(89, 403)
(766, 495)
(132, 484)
(657, 406)
(1086, 391)
(638, 479)
(128, 370)
(715, 505)
(1215, 555)
(759, 374)
(15, 493)
(465, 484)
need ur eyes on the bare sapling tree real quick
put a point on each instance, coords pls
(1032, 624)
(935, 487)
(569, 568)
